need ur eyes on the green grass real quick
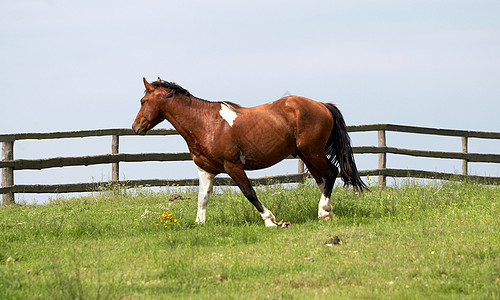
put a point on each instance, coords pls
(415, 242)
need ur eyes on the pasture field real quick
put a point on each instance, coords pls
(438, 241)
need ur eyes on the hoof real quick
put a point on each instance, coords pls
(325, 215)
(268, 218)
(327, 218)
(270, 222)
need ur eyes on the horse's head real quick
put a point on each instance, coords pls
(151, 113)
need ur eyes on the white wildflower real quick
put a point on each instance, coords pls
(146, 212)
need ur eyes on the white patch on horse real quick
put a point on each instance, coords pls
(242, 158)
(268, 217)
(325, 209)
(206, 182)
(227, 114)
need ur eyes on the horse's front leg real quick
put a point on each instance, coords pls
(236, 172)
(206, 183)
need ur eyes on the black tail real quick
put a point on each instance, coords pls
(339, 151)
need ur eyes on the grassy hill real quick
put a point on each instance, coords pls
(439, 241)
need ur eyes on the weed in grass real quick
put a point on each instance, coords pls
(165, 220)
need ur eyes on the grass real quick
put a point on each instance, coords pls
(437, 241)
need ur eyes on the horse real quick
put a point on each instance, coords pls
(224, 137)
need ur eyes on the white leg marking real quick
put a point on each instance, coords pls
(227, 114)
(268, 218)
(325, 209)
(206, 182)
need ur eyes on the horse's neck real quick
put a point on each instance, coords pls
(189, 116)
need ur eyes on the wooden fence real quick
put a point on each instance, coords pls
(9, 164)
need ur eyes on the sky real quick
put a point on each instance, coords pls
(75, 65)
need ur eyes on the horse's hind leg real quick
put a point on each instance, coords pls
(325, 174)
(325, 209)
(236, 172)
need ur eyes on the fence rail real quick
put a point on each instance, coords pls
(9, 164)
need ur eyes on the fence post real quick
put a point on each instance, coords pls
(382, 157)
(300, 169)
(465, 151)
(115, 167)
(8, 173)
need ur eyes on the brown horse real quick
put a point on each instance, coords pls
(224, 137)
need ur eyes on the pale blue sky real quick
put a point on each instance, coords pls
(72, 65)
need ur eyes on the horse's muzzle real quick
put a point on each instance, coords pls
(138, 130)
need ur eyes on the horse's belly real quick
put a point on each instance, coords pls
(259, 158)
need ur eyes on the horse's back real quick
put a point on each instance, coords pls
(270, 132)
(288, 106)
(299, 111)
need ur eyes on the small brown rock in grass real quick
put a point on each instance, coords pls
(220, 277)
(334, 241)
(283, 224)
(176, 197)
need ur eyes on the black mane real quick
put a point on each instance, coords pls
(172, 86)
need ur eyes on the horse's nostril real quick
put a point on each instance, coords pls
(136, 129)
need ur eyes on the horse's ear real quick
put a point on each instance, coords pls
(148, 86)
(159, 79)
